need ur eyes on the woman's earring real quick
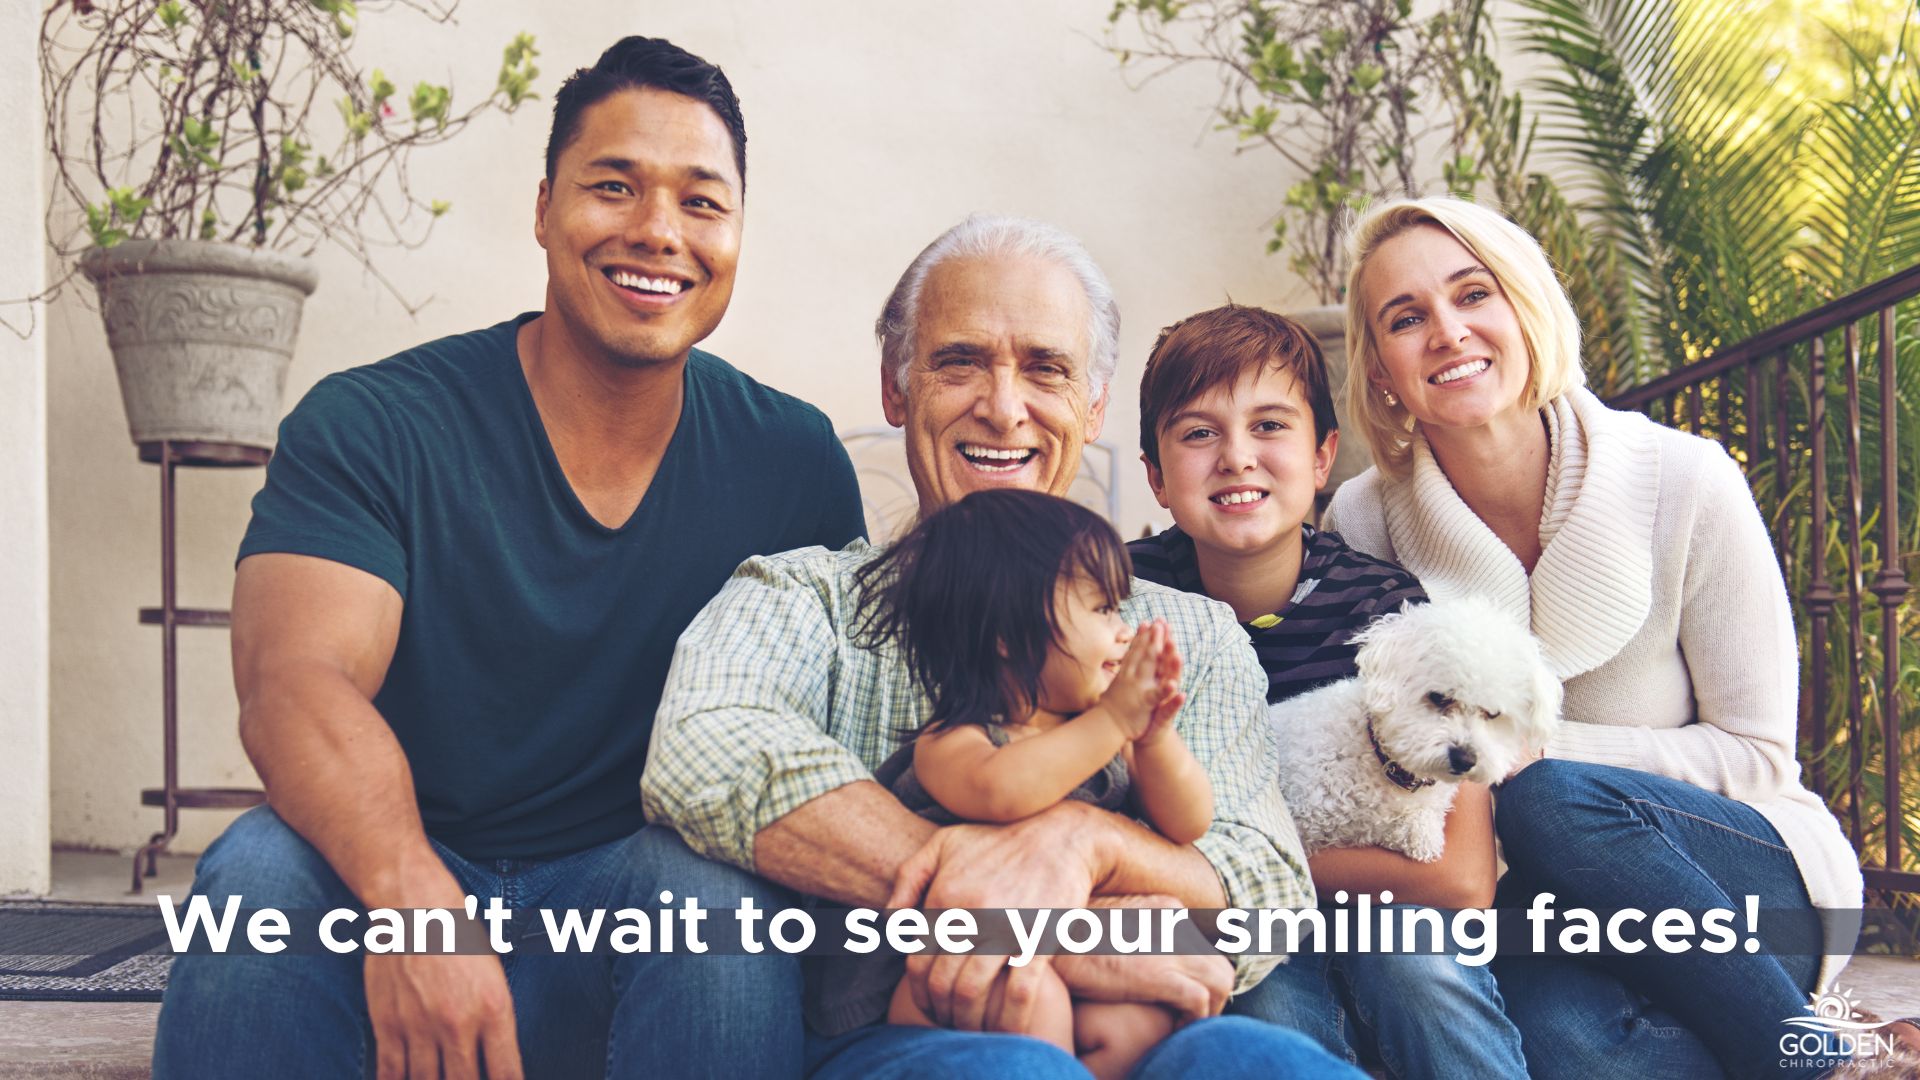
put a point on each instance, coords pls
(1392, 401)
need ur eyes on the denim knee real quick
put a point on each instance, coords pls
(1226, 1047)
(291, 1015)
(892, 1052)
(1547, 811)
(1417, 984)
(1299, 996)
(263, 861)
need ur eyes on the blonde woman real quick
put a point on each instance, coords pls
(1637, 555)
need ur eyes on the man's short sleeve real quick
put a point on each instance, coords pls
(335, 487)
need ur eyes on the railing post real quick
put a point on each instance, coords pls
(1820, 595)
(1753, 414)
(1724, 384)
(1891, 588)
(1855, 722)
(1782, 461)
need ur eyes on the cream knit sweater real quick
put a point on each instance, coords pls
(1658, 602)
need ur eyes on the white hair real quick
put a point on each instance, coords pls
(983, 236)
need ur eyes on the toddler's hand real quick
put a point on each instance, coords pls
(1161, 723)
(1141, 697)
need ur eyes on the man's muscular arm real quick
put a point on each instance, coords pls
(311, 643)
(1141, 862)
(846, 846)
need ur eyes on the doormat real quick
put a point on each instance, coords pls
(54, 951)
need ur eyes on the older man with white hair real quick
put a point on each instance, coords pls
(998, 344)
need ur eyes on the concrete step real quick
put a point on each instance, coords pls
(109, 1040)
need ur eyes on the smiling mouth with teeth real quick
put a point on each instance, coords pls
(650, 286)
(1461, 371)
(988, 459)
(1236, 498)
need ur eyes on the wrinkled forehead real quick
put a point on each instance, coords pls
(1005, 304)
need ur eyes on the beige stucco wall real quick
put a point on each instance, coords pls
(872, 127)
(24, 805)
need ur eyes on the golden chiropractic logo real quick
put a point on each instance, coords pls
(1834, 1031)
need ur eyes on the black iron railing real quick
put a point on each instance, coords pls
(1767, 400)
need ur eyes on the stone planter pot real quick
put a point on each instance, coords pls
(202, 334)
(1328, 325)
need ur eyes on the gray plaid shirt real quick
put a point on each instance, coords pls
(770, 704)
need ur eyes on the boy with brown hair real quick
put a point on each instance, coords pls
(1238, 433)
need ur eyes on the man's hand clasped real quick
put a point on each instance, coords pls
(1054, 859)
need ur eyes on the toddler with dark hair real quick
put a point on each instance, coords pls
(1005, 606)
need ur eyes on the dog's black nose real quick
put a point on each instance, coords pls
(1460, 758)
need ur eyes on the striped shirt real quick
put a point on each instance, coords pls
(1308, 643)
(772, 702)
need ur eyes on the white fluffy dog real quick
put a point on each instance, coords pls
(1447, 691)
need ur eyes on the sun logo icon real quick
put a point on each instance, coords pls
(1837, 1004)
(1836, 1010)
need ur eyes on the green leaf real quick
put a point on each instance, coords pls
(520, 49)
(380, 88)
(104, 220)
(100, 226)
(197, 140)
(1258, 122)
(126, 207)
(517, 71)
(430, 102)
(1314, 82)
(358, 122)
(1275, 67)
(1368, 76)
(209, 224)
(344, 13)
(439, 207)
(172, 15)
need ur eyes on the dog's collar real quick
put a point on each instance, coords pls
(1396, 772)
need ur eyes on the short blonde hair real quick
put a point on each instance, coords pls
(1547, 321)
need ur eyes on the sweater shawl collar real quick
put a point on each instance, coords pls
(1593, 586)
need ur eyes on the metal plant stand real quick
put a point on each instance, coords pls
(169, 617)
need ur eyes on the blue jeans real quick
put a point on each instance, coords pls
(1223, 1048)
(1420, 1016)
(640, 1015)
(1604, 838)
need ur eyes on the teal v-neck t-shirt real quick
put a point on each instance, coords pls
(534, 640)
